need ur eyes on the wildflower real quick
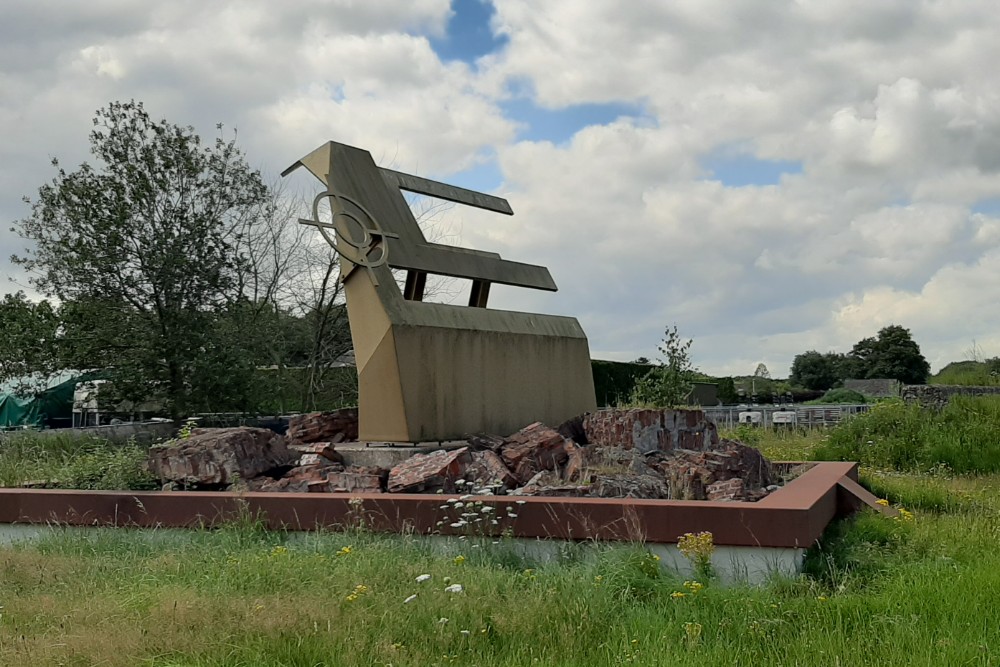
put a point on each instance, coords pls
(678, 594)
(279, 551)
(442, 620)
(822, 598)
(692, 633)
(694, 586)
(459, 505)
(410, 599)
(459, 482)
(458, 524)
(344, 551)
(422, 578)
(454, 588)
(465, 497)
(444, 507)
(883, 502)
(511, 515)
(439, 491)
(459, 559)
(486, 508)
(520, 502)
(655, 557)
(464, 632)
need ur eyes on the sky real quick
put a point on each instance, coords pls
(770, 177)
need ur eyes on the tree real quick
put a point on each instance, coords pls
(669, 383)
(892, 354)
(142, 249)
(29, 333)
(817, 371)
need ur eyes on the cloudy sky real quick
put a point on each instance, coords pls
(770, 176)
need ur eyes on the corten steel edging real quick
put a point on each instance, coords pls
(793, 516)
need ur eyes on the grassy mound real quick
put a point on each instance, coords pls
(962, 438)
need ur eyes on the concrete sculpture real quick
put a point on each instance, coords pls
(429, 371)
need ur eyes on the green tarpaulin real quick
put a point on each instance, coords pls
(51, 408)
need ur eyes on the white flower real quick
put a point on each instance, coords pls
(422, 578)
(459, 482)
(410, 599)
(442, 620)
(454, 588)
(512, 515)
(465, 632)
(453, 500)
(465, 497)
(459, 505)
(443, 507)
(458, 524)
(521, 502)
(486, 508)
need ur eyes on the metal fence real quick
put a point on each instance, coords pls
(791, 416)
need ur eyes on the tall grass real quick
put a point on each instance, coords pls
(878, 592)
(961, 438)
(73, 462)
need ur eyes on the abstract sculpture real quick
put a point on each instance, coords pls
(429, 371)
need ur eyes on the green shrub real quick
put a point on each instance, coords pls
(961, 438)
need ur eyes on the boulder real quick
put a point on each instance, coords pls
(534, 449)
(648, 430)
(356, 479)
(331, 427)
(691, 474)
(422, 473)
(487, 471)
(219, 457)
(317, 453)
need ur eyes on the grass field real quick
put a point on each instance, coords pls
(876, 592)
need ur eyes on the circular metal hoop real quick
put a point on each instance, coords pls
(343, 241)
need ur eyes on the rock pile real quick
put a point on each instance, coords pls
(670, 454)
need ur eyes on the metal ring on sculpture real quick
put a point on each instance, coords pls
(357, 251)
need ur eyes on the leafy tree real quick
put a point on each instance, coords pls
(29, 333)
(143, 251)
(815, 370)
(892, 354)
(669, 383)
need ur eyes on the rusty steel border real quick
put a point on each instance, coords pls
(793, 516)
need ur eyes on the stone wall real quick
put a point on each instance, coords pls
(936, 396)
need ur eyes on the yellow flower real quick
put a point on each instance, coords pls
(279, 551)
(883, 502)
(678, 594)
(344, 551)
(459, 559)
(694, 586)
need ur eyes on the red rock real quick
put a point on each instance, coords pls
(220, 456)
(648, 430)
(533, 449)
(575, 463)
(730, 489)
(334, 426)
(351, 481)
(429, 472)
(487, 470)
(484, 441)
(317, 451)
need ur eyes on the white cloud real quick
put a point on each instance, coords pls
(892, 109)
